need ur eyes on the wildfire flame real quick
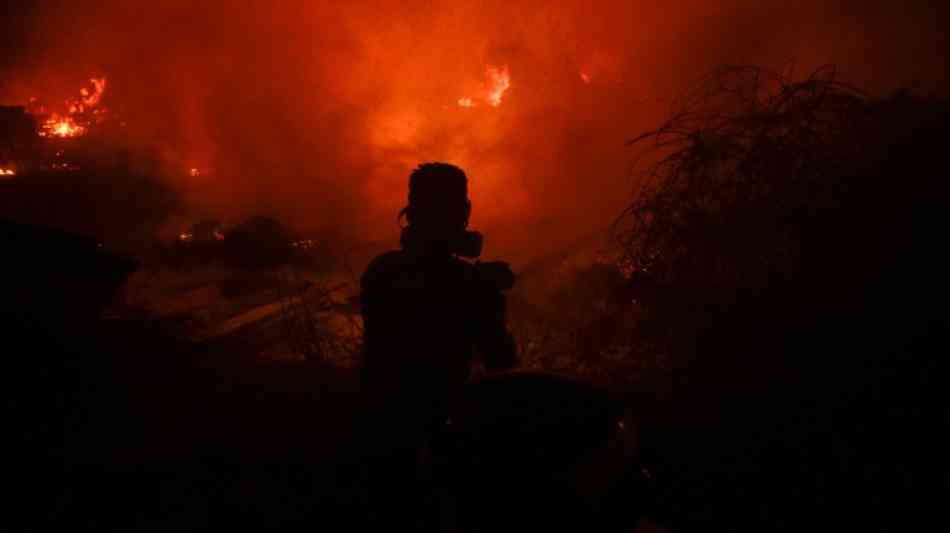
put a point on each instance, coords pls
(92, 99)
(497, 82)
(7, 172)
(62, 127)
(81, 113)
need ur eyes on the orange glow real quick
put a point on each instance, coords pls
(321, 123)
(194, 173)
(7, 172)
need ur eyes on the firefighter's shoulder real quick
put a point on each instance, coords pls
(384, 268)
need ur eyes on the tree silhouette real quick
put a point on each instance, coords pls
(785, 253)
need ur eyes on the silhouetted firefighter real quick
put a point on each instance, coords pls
(428, 312)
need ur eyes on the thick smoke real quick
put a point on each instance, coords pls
(317, 111)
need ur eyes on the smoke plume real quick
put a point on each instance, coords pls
(317, 112)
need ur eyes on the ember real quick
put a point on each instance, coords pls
(306, 244)
(7, 172)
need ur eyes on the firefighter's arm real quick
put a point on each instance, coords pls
(496, 345)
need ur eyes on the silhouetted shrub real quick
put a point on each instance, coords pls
(775, 199)
(259, 242)
(786, 253)
(122, 209)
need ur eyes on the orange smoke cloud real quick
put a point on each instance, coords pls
(317, 112)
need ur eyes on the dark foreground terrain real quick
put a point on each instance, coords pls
(121, 425)
(117, 425)
(124, 428)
